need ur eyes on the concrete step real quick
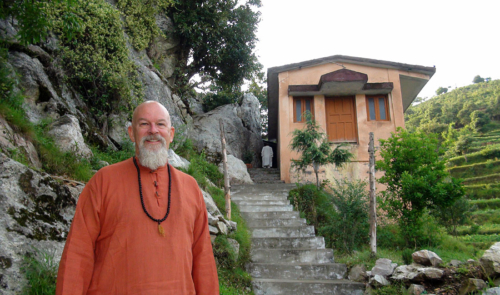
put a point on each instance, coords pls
(261, 197)
(307, 271)
(283, 232)
(289, 243)
(266, 222)
(270, 214)
(306, 287)
(265, 208)
(292, 256)
(262, 202)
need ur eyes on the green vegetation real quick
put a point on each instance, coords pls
(40, 270)
(416, 181)
(314, 148)
(340, 216)
(466, 120)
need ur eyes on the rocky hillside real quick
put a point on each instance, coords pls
(66, 103)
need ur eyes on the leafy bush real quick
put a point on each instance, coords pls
(348, 227)
(202, 170)
(416, 180)
(215, 99)
(314, 203)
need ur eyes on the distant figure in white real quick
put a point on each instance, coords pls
(267, 156)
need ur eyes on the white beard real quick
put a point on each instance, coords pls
(153, 158)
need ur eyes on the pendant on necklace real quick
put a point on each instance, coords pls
(161, 231)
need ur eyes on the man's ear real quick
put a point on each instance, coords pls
(131, 133)
(172, 132)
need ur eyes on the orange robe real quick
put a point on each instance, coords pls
(114, 248)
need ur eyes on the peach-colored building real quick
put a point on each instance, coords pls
(349, 97)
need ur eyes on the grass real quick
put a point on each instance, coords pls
(486, 204)
(40, 270)
(489, 152)
(492, 178)
(483, 191)
(486, 216)
(477, 169)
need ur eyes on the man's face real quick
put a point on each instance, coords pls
(151, 131)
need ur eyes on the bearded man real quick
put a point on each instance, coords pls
(140, 226)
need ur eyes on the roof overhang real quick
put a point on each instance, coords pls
(410, 86)
(341, 82)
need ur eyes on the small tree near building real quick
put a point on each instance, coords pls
(416, 180)
(315, 149)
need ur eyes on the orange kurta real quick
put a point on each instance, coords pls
(114, 248)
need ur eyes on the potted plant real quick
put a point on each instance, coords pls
(248, 158)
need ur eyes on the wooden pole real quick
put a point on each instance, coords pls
(373, 200)
(227, 187)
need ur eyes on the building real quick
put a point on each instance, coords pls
(349, 97)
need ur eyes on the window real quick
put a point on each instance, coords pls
(377, 107)
(300, 106)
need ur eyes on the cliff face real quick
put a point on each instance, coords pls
(36, 208)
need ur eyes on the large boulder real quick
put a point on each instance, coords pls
(241, 126)
(176, 160)
(37, 213)
(491, 260)
(426, 257)
(237, 170)
(358, 273)
(68, 136)
(416, 273)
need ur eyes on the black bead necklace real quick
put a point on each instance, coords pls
(160, 228)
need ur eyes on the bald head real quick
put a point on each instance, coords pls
(150, 105)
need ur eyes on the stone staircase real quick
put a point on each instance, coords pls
(265, 175)
(287, 257)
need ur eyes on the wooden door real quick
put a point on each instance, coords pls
(341, 119)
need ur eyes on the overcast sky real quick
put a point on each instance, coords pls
(460, 38)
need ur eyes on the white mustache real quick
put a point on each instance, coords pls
(153, 137)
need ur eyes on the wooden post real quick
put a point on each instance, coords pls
(373, 200)
(227, 187)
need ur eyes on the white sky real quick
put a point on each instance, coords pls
(461, 38)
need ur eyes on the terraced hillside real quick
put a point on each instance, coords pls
(480, 170)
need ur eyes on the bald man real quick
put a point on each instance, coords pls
(140, 226)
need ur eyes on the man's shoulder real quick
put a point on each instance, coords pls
(114, 169)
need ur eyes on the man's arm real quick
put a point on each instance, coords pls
(77, 262)
(204, 273)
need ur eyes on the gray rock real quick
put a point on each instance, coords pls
(17, 143)
(455, 263)
(237, 170)
(235, 246)
(383, 267)
(416, 273)
(379, 281)
(195, 106)
(471, 285)
(491, 260)
(162, 45)
(242, 130)
(426, 257)
(415, 289)
(68, 136)
(358, 273)
(210, 204)
(233, 226)
(213, 230)
(222, 227)
(117, 127)
(176, 160)
(37, 214)
(492, 291)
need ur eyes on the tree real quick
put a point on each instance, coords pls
(217, 41)
(416, 180)
(315, 149)
(441, 90)
(477, 79)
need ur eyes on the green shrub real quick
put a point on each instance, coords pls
(406, 256)
(313, 202)
(347, 229)
(40, 270)
(389, 237)
(202, 170)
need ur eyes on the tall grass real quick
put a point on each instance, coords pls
(40, 270)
